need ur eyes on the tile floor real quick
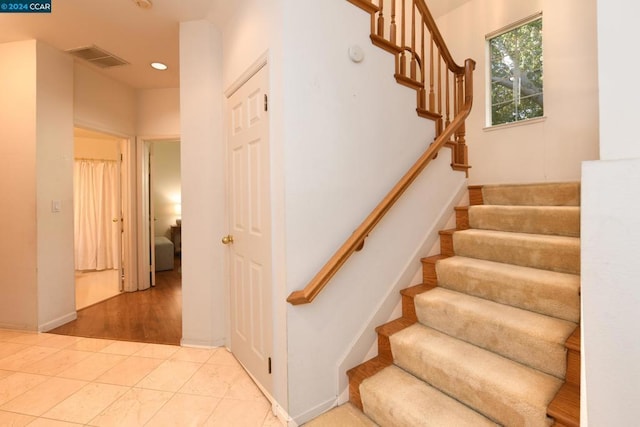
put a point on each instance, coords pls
(56, 380)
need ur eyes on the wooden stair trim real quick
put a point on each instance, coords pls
(385, 331)
(362, 372)
(475, 195)
(408, 82)
(426, 114)
(573, 343)
(565, 407)
(446, 242)
(408, 296)
(462, 217)
(429, 276)
(365, 5)
(385, 44)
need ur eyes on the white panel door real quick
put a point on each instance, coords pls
(250, 228)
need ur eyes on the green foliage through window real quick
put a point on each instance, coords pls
(516, 74)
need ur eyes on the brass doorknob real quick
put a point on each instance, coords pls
(227, 240)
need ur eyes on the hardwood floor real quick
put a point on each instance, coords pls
(150, 316)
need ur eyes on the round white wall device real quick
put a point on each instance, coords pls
(356, 53)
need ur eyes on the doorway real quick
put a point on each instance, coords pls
(98, 232)
(160, 209)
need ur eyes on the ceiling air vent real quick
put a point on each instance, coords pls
(97, 56)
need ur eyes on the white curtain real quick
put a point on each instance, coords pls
(97, 236)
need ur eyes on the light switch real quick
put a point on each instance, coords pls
(56, 206)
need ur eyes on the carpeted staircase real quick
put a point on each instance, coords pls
(483, 341)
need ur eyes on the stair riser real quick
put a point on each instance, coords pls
(559, 221)
(533, 340)
(565, 194)
(561, 256)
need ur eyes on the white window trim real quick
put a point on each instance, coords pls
(487, 83)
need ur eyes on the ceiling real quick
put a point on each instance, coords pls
(135, 35)
(120, 27)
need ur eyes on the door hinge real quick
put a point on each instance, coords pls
(269, 365)
(121, 157)
(266, 102)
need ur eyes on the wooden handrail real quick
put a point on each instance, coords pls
(447, 133)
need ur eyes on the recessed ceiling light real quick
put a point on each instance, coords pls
(159, 66)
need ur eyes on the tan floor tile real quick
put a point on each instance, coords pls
(25, 357)
(171, 375)
(86, 403)
(239, 413)
(124, 348)
(58, 341)
(212, 380)
(10, 419)
(224, 357)
(90, 344)
(134, 408)
(7, 334)
(44, 396)
(272, 421)
(44, 422)
(243, 388)
(197, 355)
(157, 351)
(92, 367)
(29, 338)
(130, 371)
(184, 410)
(16, 384)
(10, 348)
(56, 362)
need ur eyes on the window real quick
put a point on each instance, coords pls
(515, 60)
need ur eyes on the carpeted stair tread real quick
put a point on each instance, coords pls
(556, 253)
(529, 338)
(554, 220)
(546, 194)
(542, 291)
(396, 398)
(505, 391)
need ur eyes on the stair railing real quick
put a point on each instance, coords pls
(444, 94)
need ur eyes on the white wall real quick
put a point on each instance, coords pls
(166, 185)
(54, 157)
(610, 234)
(37, 133)
(96, 148)
(204, 318)
(101, 103)
(350, 132)
(551, 150)
(158, 112)
(18, 287)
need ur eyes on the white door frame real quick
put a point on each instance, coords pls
(145, 238)
(129, 255)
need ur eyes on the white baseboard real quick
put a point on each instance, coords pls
(185, 342)
(313, 413)
(58, 322)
